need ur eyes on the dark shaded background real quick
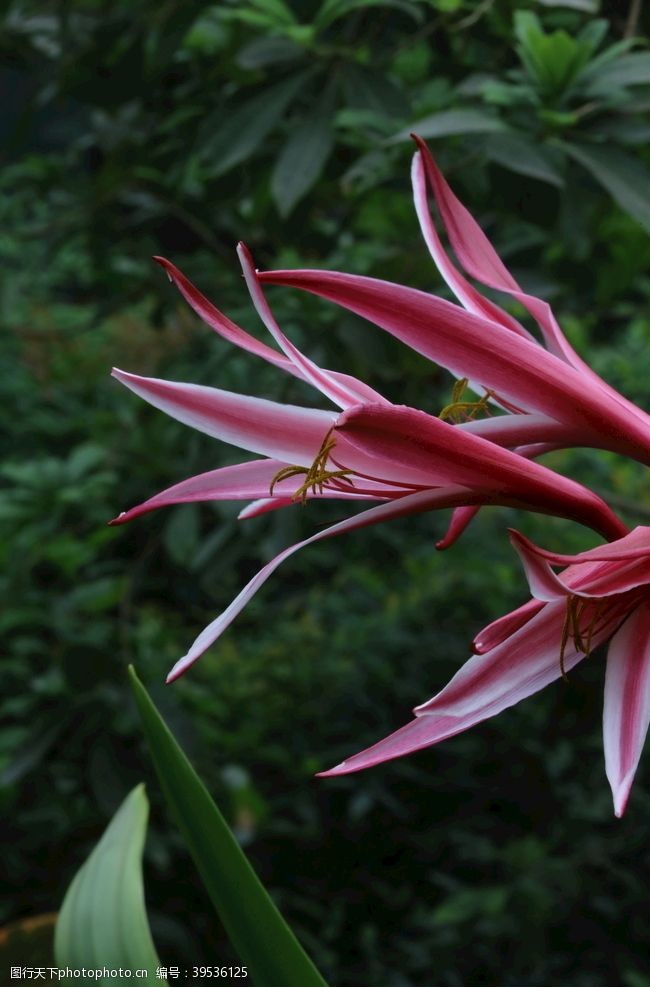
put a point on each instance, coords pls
(139, 128)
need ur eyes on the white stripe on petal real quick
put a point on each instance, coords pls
(626, 711)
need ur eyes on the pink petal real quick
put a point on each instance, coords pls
(527, 429)
(504, 627)
(461, 518)
(410, 504)
(521, 665)
(228, 330)
(513, 367)
(342, 390)
(627, 703)
(425, 449)
(421, 732)
(467, 295)
(484, 686)
(633, 545)
(263, 505)
(479, 258)
(239, 482)
(282, 431)
(221, 324)
(587, 579)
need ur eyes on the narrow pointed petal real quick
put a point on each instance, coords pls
(513, 367)
(426, 448)
(626, 712)
(281, 431)
(263, 505)
(342, 390)
(479, 258)
(421, 732)
(484, 686)
(233, 333)
(221, 324)
(634, 545)
(504, 627)
(239, 482)
(410, 504)
(543, 582)
(521, 665)
(461, 518)
(587, 579)
(466, 293)
(516, 430)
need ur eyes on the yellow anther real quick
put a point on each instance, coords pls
(464, 411)
(316, 475)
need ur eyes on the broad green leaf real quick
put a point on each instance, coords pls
(332, 10)
(103, 920)
(625, 178)
(628, 70)
(265, 943)
(523, 156)
(276, 9)
(261, 52)
(244, 128)
(589, 6)
(368, 90)
(302, 159)
(593, 33)
(450, 122)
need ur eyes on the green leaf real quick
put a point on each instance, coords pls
(367, 90)
(628, 70)
(275, 9)
(332, 10)
(625, 178)
(265, 943)
(523, 156)
(262, 52)
(589, 6)
(103, 920)
(302, 159)
(450, 122)
(245, 128)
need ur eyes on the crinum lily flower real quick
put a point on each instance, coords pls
(602, 595)
(478, 341)
(407, 460)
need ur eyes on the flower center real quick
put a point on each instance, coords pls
(316, 475)
(464, 411)
(579, 631)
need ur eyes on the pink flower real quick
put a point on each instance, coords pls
(602, 595)
(370, 450)
(480, 341)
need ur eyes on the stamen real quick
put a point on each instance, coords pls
(464, 411)
(316, 475)
(576, 607)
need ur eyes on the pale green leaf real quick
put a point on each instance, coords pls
(103, 919)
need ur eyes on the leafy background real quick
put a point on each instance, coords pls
(143, 128)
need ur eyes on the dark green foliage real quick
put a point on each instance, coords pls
(142, 128)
